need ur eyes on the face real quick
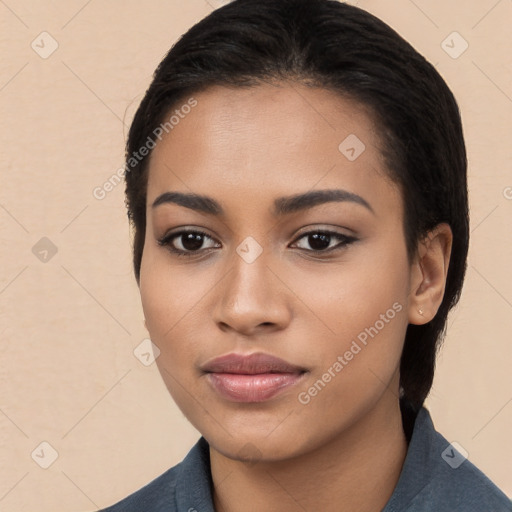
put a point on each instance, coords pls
(255, 272)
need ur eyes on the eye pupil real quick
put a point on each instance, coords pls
(319, 241)
(192, 241)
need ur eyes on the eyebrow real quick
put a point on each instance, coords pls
(282, 205)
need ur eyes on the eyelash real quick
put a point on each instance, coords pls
(166, 241)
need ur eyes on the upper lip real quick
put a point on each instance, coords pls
(250, 364)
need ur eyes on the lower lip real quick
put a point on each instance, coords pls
(252, 388)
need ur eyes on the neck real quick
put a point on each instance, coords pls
(358, 470)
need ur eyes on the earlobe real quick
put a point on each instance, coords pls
(428, 274)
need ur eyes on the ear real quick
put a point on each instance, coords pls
(428, 274)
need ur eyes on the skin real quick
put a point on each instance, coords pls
(245, 148)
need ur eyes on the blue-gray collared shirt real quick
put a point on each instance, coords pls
(435, 478)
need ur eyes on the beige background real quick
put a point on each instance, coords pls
(69, 325)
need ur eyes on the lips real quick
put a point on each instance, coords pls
(250, 365)
(252, 378)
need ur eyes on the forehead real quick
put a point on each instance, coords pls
(267, 140)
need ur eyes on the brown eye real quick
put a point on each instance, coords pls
(320, 241)
(190, 241)
(186, 243)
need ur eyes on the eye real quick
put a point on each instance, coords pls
(187, 243)
(321, 241)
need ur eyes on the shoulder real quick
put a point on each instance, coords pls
(465, 488)
(457, 484)
(157, 495)
(437, 476)
(177, 489)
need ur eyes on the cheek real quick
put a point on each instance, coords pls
(363, 305)
(351, 296)
(172, 299)
(166, 291)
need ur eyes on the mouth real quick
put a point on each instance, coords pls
(251, 378)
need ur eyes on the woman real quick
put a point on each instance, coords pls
(296, 181)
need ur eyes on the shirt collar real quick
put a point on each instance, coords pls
(194, 482)
(418, 465)
(193, 486)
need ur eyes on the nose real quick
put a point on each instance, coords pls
(252, 299)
